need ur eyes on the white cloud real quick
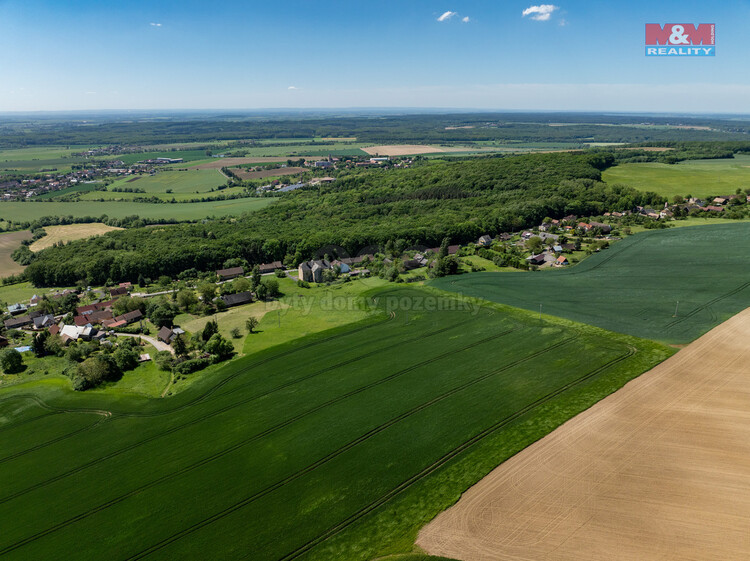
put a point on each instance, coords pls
(465, 19)
(292, 88)
(563, 22)
(542, 12)
(446, 16)
(152, 24)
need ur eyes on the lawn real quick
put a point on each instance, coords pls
(9, 242)
(338, 445)
(634, 286)
(699, 178)
(22, 211)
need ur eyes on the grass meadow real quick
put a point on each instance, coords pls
(699, 178)
(28, 211)
(634, 286)
(337, 445)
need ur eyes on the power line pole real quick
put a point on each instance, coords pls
(676, 308)
(540, 311)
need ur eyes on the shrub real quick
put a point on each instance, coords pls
(192, 365)
(11, 361)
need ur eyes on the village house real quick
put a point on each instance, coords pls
(3, 342)
(312, 271)
(562, 261)
(485, 241)
(721, 200)
(167, 335)
(605, 228)
(538, 259)
(43, 321)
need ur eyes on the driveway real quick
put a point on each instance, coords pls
(158, 345)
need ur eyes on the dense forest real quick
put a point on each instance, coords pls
(422, 205)
(19, 131)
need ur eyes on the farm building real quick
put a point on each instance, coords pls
(237, 299)
(118, 291)
(231, 273)
(270, 267)
(18, 322)
(15, 309)
(605, 228)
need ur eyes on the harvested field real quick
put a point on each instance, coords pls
(245, 174)
(658, 470)
(8, 244)
(408, 149)
(219, 163)
(70, 232)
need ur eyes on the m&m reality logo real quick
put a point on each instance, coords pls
(680, 39)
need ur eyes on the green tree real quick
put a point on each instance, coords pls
(207, 290)
(38, 344)
(162, 316)
(261, 291)
(211, 329)
(125, 359)
(272, 286)
(255, 277)
(241, 284)
(180, 346)
(186, 298)
(443, 251)
(11, 361)
(219, 347)
(251, 323)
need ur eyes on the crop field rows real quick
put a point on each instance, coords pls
(282, 454)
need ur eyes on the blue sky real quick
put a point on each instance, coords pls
(76, 54)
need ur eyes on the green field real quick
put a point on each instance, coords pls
(27, 211)
(334, 446)
(699, 178)
(634, 286)
(30, 160)
(193, 181)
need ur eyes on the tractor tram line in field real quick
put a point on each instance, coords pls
(247, 500)
(275, 428)
(224, 409)
(265, 433)
(457, 451)
(427, 383)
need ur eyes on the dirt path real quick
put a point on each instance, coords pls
(658, 470)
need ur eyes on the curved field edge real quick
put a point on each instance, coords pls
(392, 527)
